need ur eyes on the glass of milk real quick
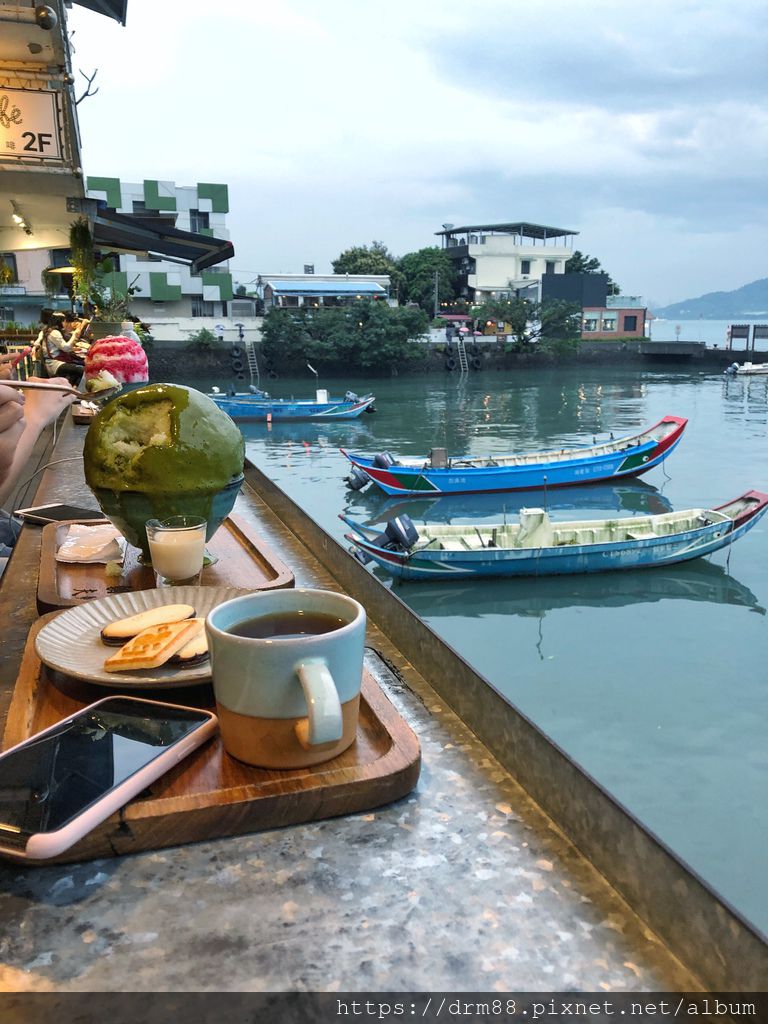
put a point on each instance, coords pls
(177, 549)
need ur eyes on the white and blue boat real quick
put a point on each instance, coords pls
(537, 546)
(257, 406)
(438, 473)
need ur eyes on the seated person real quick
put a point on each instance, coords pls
(58, 352)
(75, 329)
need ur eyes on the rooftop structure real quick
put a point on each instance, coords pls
(520, 228)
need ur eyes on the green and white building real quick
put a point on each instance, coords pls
(168, 291)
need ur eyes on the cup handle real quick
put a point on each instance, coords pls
(323, 724)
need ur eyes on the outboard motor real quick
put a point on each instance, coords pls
(384, 460)
(357, 478)
(351, 397)
(401, 533)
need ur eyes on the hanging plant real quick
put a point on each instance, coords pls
(83, 259)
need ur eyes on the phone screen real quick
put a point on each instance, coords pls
(49, 781)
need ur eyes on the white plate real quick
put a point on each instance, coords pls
(71, 643)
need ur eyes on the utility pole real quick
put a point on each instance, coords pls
(437, 292)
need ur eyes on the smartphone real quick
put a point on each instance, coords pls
(56, 513)
(58, 785)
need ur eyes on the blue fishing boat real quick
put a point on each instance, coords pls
(627, 496)
(257, 406)
(439, 474)
(536, 546)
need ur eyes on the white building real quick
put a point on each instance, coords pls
(166, 290)
(495, 261)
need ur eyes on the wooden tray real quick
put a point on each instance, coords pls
(245, 562)
(210, 795)
(81, 414)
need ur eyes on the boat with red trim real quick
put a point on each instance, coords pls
(438, 474)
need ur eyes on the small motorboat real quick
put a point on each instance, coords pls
(439, 474)
(536, 546)
(747, 369)
(254, 406)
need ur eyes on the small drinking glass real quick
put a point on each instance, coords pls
(177, 549)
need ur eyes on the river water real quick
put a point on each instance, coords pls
(654, 681)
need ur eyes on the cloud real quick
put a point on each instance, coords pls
(338, 123)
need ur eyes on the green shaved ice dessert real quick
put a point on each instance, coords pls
(163, 450)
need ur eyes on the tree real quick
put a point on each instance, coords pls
(418, 270)
(373, 259)
(518, 313)
(560, 321)
(366, 335)
(580, 263)
(552, 320)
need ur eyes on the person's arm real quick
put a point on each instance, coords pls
(20, 427)
(7, 360)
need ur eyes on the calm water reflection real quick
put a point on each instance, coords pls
(654, 681)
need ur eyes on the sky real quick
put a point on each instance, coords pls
(641, 125)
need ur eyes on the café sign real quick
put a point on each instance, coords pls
(29, 125)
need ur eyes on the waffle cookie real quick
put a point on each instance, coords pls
(193, 653)
(121, 630)
(154, 646)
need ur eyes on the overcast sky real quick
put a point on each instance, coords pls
(641, 125)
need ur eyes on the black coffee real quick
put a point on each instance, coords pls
(287, 625)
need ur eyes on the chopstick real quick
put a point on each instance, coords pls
(42, 386)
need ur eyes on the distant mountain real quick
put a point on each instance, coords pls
(748, 302)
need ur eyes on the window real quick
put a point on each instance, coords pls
(139, 206)
(551, 266)
(590, 323)
(630, 324)
(8, 274)
(198, 220)
(525, 266)
(200, 307)
(609, 323)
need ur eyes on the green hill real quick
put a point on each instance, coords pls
(748, 302)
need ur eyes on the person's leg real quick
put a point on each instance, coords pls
(72, 372)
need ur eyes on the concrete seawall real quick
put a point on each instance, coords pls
(164, 359)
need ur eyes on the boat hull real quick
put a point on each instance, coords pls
(563, 560)
(627, 459)
(248, 409)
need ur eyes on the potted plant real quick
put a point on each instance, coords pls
(94, 283)
(111, 305)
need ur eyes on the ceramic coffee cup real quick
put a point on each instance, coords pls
(287, 695)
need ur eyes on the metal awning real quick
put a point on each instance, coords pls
(116, 9)
(520, 227)
(124, 233)
(320, 287)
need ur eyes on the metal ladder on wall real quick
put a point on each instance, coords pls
(461, 348)
(253, 363)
